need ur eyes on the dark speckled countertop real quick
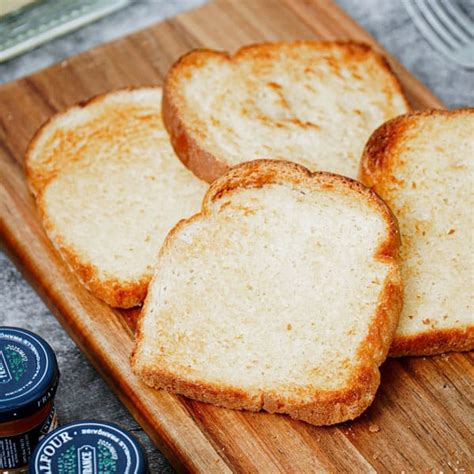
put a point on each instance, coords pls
(82, 392)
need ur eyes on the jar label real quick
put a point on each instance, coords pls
(15, 451)
(88, 448)
(28, 373)
(20, 363)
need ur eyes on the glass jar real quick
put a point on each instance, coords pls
(89, 446)
(29, 378)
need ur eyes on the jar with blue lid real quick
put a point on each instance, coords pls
(29, 378)
(93, 447)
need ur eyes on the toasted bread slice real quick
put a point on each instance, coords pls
(283, 294)
(423, 166)
(109, 188)
(314, 101)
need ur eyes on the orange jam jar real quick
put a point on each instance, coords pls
(29, 378)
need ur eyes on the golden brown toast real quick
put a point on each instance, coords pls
(108, 189)
(282, 294)
(312, 102)
(423, 166)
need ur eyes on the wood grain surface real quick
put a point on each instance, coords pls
(422, 418)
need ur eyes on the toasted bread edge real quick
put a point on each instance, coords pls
(326, 407)
(201, 162)
(116, 293)
(433, 342)
(377, 159)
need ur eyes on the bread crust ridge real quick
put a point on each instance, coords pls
(381, 156)
(202, 162)
(325, 407)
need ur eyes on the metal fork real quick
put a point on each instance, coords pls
(445, 27)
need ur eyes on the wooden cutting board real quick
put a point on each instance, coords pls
(422, 415)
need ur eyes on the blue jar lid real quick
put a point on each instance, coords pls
(89, 446)
(29, 373)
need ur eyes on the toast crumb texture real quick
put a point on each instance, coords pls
(282, 294)
(422, 165)
(312, 102)
(108, 188)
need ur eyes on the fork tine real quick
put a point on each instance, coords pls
(439, 10)
(425, 29)
(435, 33)
(460, 18)
(436, 25)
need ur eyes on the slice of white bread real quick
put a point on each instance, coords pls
(318, 101)
(283, 294)
(423, 166)
(108, 188)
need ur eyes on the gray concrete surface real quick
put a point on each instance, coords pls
(82, 392)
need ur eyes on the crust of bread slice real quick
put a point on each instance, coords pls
(421, 164)
(314, 404)
(108, 161)
(295, 115)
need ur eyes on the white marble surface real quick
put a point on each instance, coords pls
(82, 393)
